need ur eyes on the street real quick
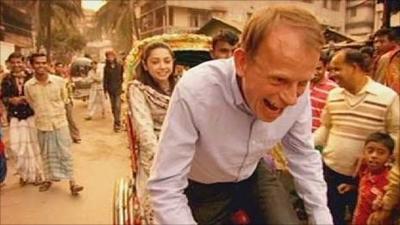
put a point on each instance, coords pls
(99, 160)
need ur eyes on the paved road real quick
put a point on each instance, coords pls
(99, 160)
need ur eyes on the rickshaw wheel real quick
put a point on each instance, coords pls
(122, 202)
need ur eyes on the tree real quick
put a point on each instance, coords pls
(66, 42)
(117, 17)
(54, 13)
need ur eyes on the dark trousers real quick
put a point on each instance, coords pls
(215, 203)
(115, 100)
(337, 202)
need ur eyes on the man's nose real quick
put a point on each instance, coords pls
(290, 95)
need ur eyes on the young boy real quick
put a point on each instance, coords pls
(373, 175)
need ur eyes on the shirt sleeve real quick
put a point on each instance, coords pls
(28, 95)
(393, 122)
(144, 128)
(171, 166)
(6, 91)
(393, 77)
(64, 91)
(305, 165)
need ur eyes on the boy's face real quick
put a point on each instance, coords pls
(376, 155)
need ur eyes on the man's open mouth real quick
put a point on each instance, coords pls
(271, 106)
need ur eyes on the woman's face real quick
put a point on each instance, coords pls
(159, 64)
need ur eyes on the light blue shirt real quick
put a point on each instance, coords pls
(210, 135)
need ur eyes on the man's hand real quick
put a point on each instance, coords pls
(16, 100)
(379, 217)
(343, 188)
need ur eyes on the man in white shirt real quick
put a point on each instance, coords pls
(223, 116)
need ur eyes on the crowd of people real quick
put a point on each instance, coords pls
(204, 137)
(37, 101)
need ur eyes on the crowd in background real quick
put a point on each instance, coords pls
(355, 119)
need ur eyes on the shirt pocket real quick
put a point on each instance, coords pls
(54, 94)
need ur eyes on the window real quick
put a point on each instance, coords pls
(171, 16)
(198, 18)
(194, 20)
(353, 12)
(335, 5)
(160, 17)
(325, 4)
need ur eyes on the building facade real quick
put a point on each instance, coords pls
(360, 18)
(394, 19)
(15, 29)
(176, 16)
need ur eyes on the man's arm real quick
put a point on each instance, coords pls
(105, 79)
(168, 177)
(305, 165)
(321, 134)
(28, 95)
(393, 122)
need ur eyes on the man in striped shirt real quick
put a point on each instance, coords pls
(359, 107)
(320, 87)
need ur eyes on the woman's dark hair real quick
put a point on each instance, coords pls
(144, 76)
(354, 56)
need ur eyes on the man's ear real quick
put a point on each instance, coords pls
(240, 59)
(212, 53)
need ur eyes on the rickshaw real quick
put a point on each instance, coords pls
(189, 50)
(79, 71)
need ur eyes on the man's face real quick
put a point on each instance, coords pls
(382, 44)
(319, 72)
(341, 72)
(16, 65)
(278, 74)
(59, 69)
(222, 50)
(110, 57)
(40, 65)
(376, 155)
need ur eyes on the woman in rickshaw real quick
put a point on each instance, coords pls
(149, 96)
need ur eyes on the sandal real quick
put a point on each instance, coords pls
(45, 186)
(75, 189)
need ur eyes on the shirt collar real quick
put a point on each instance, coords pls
(369, 87)
(237, 94)
(49, 79)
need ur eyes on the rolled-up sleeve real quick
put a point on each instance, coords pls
(168, 177)
(305, 164)
(393, 122)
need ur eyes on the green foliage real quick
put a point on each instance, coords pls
(60, 15)
(116, 17)
(66, 42)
